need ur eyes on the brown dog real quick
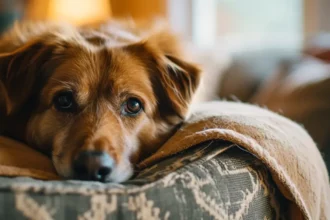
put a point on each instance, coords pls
(97, 100)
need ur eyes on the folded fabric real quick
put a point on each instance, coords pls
(283, 146)
(17, 159)
(300, 91)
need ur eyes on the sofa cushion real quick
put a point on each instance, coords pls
(201, 183)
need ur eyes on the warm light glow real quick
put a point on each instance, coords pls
(79, 11)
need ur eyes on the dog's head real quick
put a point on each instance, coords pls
(97, 101)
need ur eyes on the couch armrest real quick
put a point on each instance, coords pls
(215, 180)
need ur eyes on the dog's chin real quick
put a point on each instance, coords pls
(121, 173)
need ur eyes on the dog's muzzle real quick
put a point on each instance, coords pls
(93, 165)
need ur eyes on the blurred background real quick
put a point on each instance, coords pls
(232, 25)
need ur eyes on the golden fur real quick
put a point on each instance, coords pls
(102, 66)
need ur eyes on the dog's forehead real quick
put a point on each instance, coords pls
(126, 68)
(107, 70)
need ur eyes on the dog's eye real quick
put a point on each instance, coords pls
(132, 107)
(64, 102)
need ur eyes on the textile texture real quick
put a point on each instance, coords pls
(215, 180)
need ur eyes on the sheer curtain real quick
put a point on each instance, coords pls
(240, 24)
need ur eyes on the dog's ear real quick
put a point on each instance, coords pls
(174, 79)
(21, 71)
(175, 86)
(179, 78)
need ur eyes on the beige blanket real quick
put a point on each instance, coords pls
(284, 147)
(301, 92)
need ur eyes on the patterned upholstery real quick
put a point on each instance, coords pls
(215, 180)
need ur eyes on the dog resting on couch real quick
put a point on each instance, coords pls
(96, 100)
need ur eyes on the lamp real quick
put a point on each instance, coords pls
(78, 12)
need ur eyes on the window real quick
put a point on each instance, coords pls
(241, 24)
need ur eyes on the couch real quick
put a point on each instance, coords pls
(201, 183)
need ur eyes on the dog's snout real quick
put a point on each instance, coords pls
(93, 165)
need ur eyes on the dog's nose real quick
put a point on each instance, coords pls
(93, 165)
